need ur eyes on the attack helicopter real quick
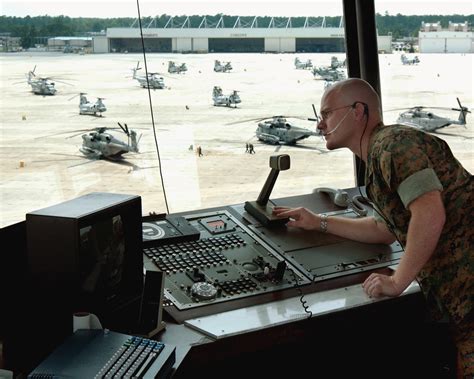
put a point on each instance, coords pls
(173, 68)
(421, 118)
(222, 67)
(303, 65)
(220, 99)
(99, 144)
(88, 108)
(154, 80)
(409, 61)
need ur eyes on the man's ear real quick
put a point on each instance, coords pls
(361, 110)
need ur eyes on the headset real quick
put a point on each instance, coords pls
(353, 105)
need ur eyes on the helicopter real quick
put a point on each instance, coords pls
(154, 80)
(222, 67)
(99, 144)
(336, 63)
(303, 65)
(329, 74)
(425, 120)
(173, 68)
(220, 99)
(409, 61)
(276, 130)
(88, 108)
(41, 85)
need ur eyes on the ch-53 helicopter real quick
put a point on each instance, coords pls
(279, 131)
(336, 63)
(276, 130)
(220, 99)
(303, 65)
(409, 61)
(329, 75)
(41, 85)
(155, 81)
(88, 108)
(99, 144)
(174, 68)
(425, 120)
(222, 67)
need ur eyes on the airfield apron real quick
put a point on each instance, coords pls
(403, 163)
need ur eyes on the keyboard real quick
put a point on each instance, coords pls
(105, 354)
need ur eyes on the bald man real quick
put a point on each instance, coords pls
(423, 198)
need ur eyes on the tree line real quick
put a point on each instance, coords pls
(29, 29)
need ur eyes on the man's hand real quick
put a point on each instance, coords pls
(378, 285)
(299, 217)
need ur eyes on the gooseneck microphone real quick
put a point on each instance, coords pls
(338, 124)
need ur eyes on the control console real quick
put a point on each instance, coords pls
(228, 262)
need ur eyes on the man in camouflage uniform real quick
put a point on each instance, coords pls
(424, 198)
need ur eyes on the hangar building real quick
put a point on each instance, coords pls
(457, 38)
(239, 34)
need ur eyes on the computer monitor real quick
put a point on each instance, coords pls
(86, 254)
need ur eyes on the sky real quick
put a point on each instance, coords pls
(128, 8)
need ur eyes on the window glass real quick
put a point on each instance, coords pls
(50, 151)
(48, 148)
(429, 70)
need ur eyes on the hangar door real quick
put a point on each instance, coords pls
(320, 45)
(236, 45)
(432, 45)
(134, 45)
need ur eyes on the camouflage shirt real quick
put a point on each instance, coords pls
(404, 163)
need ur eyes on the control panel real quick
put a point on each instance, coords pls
(229, 261)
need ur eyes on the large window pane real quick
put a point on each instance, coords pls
(41, 138)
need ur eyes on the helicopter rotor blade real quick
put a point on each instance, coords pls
(60, 81)
(265, 118)
(127, 132)
(121, 127)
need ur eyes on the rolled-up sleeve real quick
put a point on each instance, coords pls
(417, 184)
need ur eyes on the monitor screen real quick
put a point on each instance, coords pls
(102, 252)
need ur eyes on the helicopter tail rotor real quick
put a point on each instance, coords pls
(32, 72)
(462, 114)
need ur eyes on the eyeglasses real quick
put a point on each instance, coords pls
(326, 113)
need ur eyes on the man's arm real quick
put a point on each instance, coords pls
(365, 229)
(426, 224)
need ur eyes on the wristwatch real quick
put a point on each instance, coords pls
(323, 224)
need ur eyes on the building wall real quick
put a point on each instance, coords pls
(200, 44)
(384, 43)
(287, 45)
(275, 39)
(184, 44)
(445, 42)
(281, 45)
(100, 44)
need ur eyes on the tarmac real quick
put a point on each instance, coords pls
(41, 135)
